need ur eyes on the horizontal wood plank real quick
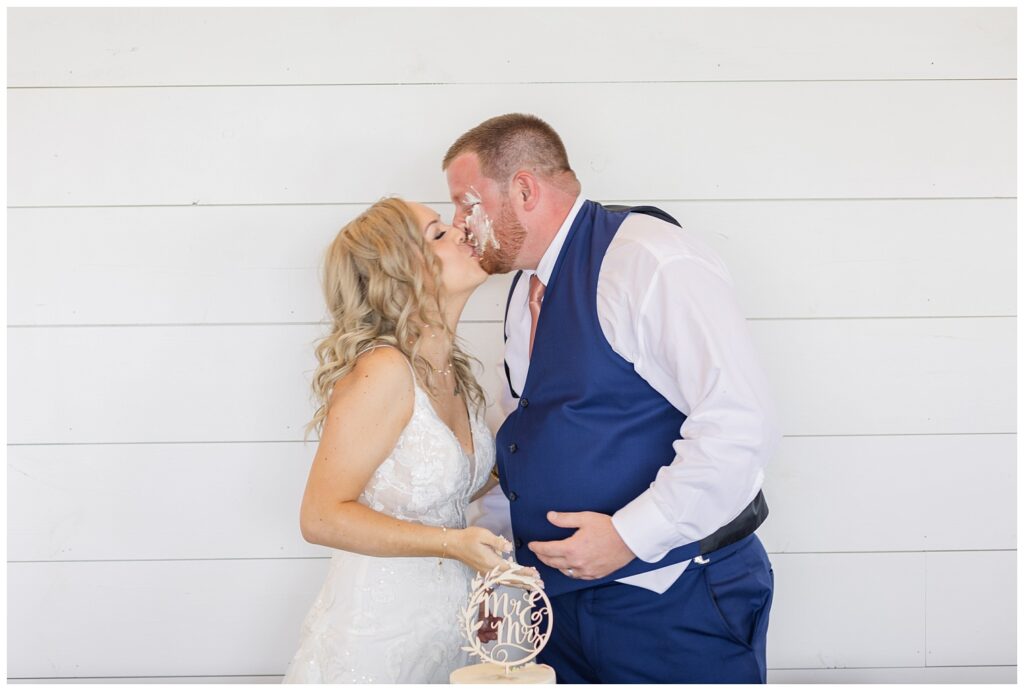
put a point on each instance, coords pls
(127, 46)
(196, 618)
(789, 140)
(251, 383)
(124, 501)
(848, 610)
(972, 608)
(891, 376)
(838, 494)
(896, 675)
(160, 265)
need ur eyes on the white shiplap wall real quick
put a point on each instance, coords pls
(175, 174)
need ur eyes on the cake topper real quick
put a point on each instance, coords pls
(507, 625)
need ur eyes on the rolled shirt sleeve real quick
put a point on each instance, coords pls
(667, 305)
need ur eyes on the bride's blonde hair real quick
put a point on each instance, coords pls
(381, 283)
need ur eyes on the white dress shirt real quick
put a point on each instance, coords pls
(665, 303)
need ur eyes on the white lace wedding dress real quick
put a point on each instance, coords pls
(395, 619)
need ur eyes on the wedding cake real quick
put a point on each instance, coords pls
(507, 622)
(491, 673)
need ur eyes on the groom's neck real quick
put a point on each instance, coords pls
(542, 226)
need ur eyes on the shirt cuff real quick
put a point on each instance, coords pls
(644, 528)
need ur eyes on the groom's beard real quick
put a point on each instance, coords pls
(510, 234)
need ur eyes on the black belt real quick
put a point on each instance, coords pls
(738, 528)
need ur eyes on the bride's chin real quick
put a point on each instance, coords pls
(474, 272)
(480, 276)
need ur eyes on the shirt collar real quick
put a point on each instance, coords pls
(547, 263)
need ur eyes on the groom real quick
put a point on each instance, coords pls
(634, 459)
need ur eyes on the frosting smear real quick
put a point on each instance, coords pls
(479, 223)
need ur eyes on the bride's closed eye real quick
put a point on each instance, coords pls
(435, 232)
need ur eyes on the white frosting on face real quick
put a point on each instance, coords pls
(479, 223)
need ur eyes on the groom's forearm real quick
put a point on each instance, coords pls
(694, 347)
(708, 484)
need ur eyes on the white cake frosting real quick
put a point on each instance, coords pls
(490, 673)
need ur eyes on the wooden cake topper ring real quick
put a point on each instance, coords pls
(510, 623)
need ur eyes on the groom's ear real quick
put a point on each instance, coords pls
(525, 190)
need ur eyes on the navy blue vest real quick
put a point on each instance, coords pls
(589, 433)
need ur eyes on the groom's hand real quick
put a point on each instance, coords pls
(594, 551)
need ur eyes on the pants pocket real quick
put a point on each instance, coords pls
(741, 597)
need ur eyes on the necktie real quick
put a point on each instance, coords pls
(536, 297)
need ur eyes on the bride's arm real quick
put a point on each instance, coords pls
(368, 410)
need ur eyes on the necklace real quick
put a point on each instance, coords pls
(443, 372)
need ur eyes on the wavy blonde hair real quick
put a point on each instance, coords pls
(379, 282)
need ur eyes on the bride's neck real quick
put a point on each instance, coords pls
(437, 345)
(453, 306)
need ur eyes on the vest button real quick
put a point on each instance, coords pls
(513, 447)
(519, 543)
(524, 402)
(512, 496)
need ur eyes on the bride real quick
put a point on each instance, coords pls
(403, 450)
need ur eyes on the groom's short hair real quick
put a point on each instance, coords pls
(511, 142)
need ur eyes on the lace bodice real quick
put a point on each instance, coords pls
(428, 477)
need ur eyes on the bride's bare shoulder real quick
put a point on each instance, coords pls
(381, 377)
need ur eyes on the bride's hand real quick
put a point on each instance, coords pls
(479, 548)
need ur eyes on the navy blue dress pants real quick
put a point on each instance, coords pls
(710, 626)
